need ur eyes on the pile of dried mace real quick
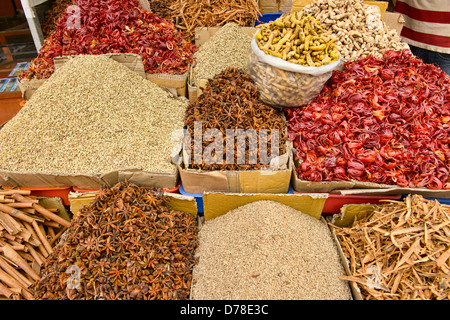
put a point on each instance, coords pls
(127, 244)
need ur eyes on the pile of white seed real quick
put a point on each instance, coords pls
(228, 47)
(92, 116)
(266, 250)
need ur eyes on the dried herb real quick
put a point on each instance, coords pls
(112, 119)
(128, 244)
(229, 102)
(384, 121)
(26, 240)
(228, 47)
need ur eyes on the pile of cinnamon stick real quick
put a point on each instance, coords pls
(213, 13)
(401, 251)
(28, 233)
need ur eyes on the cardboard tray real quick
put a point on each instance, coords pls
(176, 201)
(245, 181)
(362, 188)
(218, 203)
(175, 84)
(133, 175)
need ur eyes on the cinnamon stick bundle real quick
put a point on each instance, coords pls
(401, 251)
(28, 233)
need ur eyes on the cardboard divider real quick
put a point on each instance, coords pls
(175, 84)
(251, 181)
(360, 188)
(176, 201)
(217, 203)
(356, 292)
(132, 175)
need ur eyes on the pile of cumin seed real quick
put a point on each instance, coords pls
(266, 250)
(93, 115)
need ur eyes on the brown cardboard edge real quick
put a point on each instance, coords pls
(177, 202)
(356, 292)
(131, 60)
(32, 179)
(148, 179)
(195, 182)
(202, 34)
(217, 203)
(183, 203)
(357, 187)
(346, 217)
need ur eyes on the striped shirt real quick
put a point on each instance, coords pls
(427, 23)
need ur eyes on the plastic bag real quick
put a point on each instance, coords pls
(285, 84)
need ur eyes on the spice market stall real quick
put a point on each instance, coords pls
(312, 140)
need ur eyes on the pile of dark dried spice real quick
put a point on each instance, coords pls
(127, 244)
(230, 102)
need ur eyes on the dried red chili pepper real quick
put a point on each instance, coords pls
(115, 26)
(389, 119)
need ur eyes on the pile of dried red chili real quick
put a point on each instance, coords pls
(385, 121)
(115, 26)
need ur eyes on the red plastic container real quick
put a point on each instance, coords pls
(335, 202)
(75, 189)
(50, 192)
(173, 190)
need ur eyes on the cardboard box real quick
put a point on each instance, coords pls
(218, 203)
(394, 21)
(176, 201)
(251, 181)
(270, 6)
(175, 84)
(133, 175)
(246, 181)
(361, 188)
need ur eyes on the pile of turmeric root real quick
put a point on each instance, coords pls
(297, 38)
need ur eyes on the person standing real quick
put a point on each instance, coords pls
(427, 29)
